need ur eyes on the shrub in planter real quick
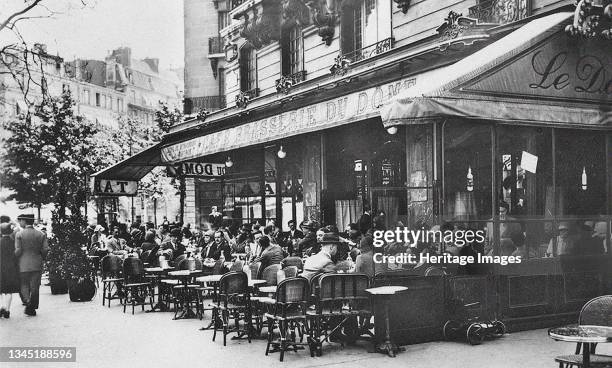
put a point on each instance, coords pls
(58, 284)
(67, 260)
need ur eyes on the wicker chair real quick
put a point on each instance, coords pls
(293, 261)
(237, 266)
(269, 274)
(289, 312)
(233, 302)
(290, 271)
(112, 282)
(596, 312)
(137, 288)
(186, 296)
(255, 269)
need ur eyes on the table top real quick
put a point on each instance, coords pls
(209, 278)
(183, 272)
(584, 333)
(254, 282)
(386, 290)
(268, 289)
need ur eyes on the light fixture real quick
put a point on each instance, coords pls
(229, 162)
(584, 179)
(281, 153)
(470, 180)
(392, 130)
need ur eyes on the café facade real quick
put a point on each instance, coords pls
(442, 132)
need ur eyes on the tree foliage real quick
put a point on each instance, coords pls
(167, 116)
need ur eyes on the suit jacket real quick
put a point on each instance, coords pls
(31, 248)
(210, 252)
(365, 223)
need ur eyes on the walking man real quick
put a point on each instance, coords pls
(31, 248)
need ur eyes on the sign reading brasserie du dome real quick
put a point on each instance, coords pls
(341, 110)
(561, 68)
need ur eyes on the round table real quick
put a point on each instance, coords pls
(158, 272)
(384, 295)
(185, 276)
(583, 334)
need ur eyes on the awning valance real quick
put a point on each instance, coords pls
(135, 167)
(537, 74)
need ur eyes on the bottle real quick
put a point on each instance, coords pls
(470, 180)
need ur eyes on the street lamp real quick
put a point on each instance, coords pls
(229, 162)
(281, 153)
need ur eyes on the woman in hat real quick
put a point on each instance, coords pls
(9, 272)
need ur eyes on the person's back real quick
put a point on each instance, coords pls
(318, 263)
(31, 247)
(273, 254)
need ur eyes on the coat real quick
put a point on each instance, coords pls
(31, 248)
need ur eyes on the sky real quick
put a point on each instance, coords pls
(152, 28)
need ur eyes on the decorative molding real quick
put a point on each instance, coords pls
(231, 51)
(202, 114)
(324, 15)
(243, 98)
(454, 25)
(294, 12)
(500, 11)
(341, 66)
(284, 83)
(402, 5)
(261, 26)
(214, 63)
(592, 20)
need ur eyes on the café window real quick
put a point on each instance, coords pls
(243, 187)
(467, 171)
(292, 50)
(248, 68)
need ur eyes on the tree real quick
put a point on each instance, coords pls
(50, 154)
(166, 117)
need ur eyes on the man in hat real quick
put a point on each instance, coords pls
(31, 248)
(309, 241)
(565, 242)
(322, 261)
(173, 247)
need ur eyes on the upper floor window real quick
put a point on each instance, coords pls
(86, 96)
(97, 99)
(365, 24)
(223, 20)
(248, 69)
(292, 51)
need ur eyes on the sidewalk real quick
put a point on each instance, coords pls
(108, 338)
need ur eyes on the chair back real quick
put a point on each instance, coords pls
(597, 312)
(294, 290)
(218, 267)
(177, 260)
(293, 261)
(144, 256)
(236, 266)
(290, 271)
(187, 264)
(234, 282)
(133, 270)
(338, 289)
(111, 265)
(255, 269)
(269, 274)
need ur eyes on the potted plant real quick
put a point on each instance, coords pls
(68, 261)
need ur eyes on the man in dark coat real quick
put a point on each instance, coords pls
(365, 221)
(309, 241)
(31, 248)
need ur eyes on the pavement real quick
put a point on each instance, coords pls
(106, 337)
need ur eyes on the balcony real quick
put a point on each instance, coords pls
(370, 51)
(215, 45)
(285, 82)
(501, 11)
(193, 104)
(237, 3)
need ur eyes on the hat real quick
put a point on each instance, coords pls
(563, 225)
(175, 232)
(310, 225)
(6, 229)
(26, 216)
(99, 228)
(330, 238)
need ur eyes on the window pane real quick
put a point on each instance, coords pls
(467, 171)
(581, 173)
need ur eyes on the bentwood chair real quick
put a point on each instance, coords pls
(233, 303)
(289, 314)
(293, 261)
(112, 282)
(596, 312)
(137, 287)
(185, 295)
(290, 271)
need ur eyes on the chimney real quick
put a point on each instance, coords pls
(153, 64)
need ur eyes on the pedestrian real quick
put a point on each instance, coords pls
(9, 270)
(31, 248)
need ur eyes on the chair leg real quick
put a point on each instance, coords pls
(282, 328)
(270, 334)
(225, 317)
(126, 300)
(214, 322)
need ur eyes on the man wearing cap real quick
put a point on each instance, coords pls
(31, 248)
(309, 242)
(322, 261)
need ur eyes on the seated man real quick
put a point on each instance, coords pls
(322, 261)
(271, 254)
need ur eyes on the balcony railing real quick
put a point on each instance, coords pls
(193, 104)
(501, 11)
(285, 82)
(370, 51)
(215, 45)
(237, 3)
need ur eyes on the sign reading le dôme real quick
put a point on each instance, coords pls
(106, 187)
(201, 169)
(334, 112)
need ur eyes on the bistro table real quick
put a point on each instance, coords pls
(158, 273)
(586, 335)
(185, 276)
(384, 295)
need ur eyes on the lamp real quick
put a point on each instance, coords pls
(584, 179)
(281, 153)
(392, 130)
(229, 162)
(470, 180)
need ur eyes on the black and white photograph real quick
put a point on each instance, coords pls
(306, 183)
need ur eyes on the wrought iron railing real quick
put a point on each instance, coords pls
(252, 93)
(370, 51)
(193, 104)
(237, 3)
(501, 11)
(294, 78)
(215, 45)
